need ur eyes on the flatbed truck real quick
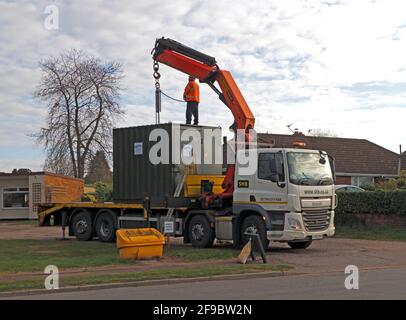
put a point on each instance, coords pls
(289, 198)
(283, 201)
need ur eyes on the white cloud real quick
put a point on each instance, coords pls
(8, 164)
(295, 61)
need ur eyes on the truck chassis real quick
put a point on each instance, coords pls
(200, 227)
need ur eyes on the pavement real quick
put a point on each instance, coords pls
(16, 230)
(335, 254)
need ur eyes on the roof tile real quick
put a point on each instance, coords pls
(351, 155)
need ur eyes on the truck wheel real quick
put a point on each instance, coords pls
(201, 235)
(106, 227)
(300, 245)
(82, 225)
(254, 224)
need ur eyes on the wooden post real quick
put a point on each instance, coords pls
(168, 243)
(146, 210)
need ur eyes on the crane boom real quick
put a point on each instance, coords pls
(205, 68)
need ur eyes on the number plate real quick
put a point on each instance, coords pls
(243, 184)
(317, 237)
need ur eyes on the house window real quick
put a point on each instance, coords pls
(15, 198)
(360, 181)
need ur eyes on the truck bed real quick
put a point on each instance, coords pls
(47, 209)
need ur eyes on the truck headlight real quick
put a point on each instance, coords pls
(294, 224)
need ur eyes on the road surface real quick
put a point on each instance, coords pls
(387, 283)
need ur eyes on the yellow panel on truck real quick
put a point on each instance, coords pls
(193, 184)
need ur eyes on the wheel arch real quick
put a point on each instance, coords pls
(242, 211)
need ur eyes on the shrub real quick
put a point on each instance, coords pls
(369, 187)
(394, 183)
(372, 202)
(104, 191)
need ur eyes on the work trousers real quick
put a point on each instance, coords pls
(192, 109)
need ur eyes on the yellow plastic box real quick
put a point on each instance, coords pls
(141, 243)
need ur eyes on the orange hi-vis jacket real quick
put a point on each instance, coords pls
(191, 93)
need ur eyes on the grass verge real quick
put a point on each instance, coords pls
(188, 253)
(34, 255)
(173, 273)
(373, 232)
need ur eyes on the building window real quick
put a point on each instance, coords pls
(36, 196)
(15, 198)
(362, 181)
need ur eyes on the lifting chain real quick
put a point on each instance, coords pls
(158, 93)
(156, 74)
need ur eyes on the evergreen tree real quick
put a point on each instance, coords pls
(99, 169)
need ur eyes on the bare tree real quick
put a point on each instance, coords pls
(318, 132)
(81, 93)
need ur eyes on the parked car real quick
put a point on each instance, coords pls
(347, 188)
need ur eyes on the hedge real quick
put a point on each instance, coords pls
(372, 202)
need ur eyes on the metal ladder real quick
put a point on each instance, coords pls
(176, 194)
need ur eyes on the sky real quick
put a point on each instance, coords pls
(320, 64)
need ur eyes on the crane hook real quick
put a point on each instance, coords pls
(156, 76)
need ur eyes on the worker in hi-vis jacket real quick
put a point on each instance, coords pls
(192, 98)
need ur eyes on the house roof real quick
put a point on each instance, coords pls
(358, 156)
(26, 174)
(403, 161)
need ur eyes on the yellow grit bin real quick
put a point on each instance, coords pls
(141, 243)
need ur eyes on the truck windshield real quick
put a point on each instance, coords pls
(309, 169)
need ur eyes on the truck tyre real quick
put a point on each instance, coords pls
(201, 235)
(106, 227)
(300, 245)
(254, 224)
(82, 225)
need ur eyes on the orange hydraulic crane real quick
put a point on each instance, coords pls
(205, 68)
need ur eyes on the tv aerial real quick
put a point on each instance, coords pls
(289, 127)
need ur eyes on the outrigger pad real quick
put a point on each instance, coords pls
(255, 237)
(245, 252)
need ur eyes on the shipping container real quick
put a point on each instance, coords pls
(136, 151)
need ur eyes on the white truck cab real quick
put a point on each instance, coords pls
(293, 191)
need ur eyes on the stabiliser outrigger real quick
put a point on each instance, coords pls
(205, 68)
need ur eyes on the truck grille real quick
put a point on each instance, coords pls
(317, 220)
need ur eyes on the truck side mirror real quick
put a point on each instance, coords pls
(273, 165)
(333, 167)
(274, 177)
